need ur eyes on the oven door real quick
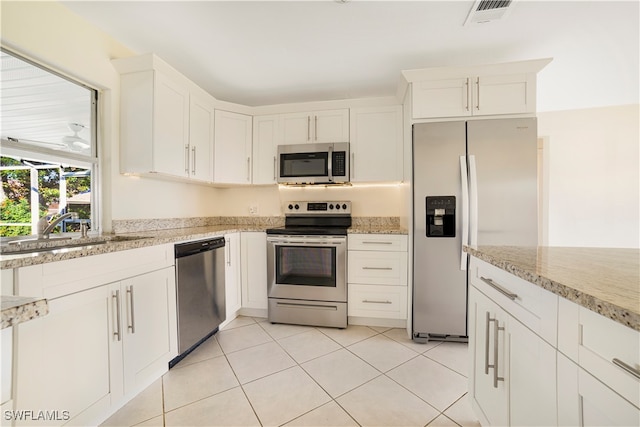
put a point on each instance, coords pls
(307, 267)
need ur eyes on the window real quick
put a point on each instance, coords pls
(48, 152)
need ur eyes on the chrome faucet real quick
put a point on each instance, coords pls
(45, 228)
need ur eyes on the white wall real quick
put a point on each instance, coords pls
(368, 200)
(594, 178)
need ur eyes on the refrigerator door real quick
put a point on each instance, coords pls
(502, 159)
(439, 282)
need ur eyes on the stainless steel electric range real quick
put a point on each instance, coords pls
(307, 265)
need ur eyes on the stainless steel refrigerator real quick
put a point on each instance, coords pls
(474, 182)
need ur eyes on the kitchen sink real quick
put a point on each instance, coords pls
(35, 245)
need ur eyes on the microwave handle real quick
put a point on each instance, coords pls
(330, 164)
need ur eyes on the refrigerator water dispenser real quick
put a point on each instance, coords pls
(441, 216)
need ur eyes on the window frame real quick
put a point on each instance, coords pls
(92, 162)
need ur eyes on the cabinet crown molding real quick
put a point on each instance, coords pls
(518, 67)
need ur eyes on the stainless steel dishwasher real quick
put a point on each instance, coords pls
(200, 292)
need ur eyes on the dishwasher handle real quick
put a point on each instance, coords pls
(193, 248)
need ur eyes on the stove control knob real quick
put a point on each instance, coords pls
(344, 206)
(331, 206)
(337, 206)
(290, 206)
(297, 206)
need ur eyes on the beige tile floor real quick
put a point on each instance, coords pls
(254, 373)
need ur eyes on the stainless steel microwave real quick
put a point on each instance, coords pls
(313, 163)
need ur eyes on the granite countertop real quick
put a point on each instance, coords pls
(128, 238)
(604, 280)
(22, 309)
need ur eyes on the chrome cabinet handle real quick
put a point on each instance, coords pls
(373, 242)
(116, 296)
(228, 243)
(467, 86)
(366, 301)
(628, 368)
(248, 169)
(496, 329)
(274, 168)
(499, 288)
(186, 158)
(132, 326)
(193, 160)
(308, 128)
(494, 366)
(478, 93)
(377, 268)
(486, 344)
(315, 128)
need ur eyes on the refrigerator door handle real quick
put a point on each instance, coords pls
(473, 202)
(465, 211)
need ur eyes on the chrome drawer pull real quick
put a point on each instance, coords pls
(372, 242)
(499, 288)
(377, 268)
(118, 332)
(630, 369)
(366, 301)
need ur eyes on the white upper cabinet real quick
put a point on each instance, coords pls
(232, 157)
(474, 91)
(201, 134)
(166, 121)
(376, 144)
(266, 137)
(315, 127)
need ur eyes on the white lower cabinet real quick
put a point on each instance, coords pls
(147, 307)
(253, 249)
(598, 369)
(64, 359)
(513, 379)
(377, 276)
(232, 275)
(100, 344)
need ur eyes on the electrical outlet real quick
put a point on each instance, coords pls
(253, 210)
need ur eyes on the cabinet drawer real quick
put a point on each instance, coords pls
(594, 342)
(535, 307)
(377, 268)
(377, 242)
(378, 301)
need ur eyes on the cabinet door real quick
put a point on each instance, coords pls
(330, 126)
(505, 94)
(296, 128)
(442, 98)
(232, 276)
(170, 127)
(376, 144)
(148, 326)
(487, 343)
(532, 378)
(201, 133)
(266, 134)
(254, 270)
(232, 158)
(63, 358)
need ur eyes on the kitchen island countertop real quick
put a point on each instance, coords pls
(604, 280)
(22, 309)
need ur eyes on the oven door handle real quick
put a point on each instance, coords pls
(308, 243)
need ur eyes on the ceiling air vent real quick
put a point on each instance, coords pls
(488, 10)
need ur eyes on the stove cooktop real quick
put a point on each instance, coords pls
(308, 231)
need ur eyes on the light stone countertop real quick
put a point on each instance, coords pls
(139, 239)
(604, 280)
(22, 309)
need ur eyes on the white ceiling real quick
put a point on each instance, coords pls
(262, 53)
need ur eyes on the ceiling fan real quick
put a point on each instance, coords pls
(75, 142)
